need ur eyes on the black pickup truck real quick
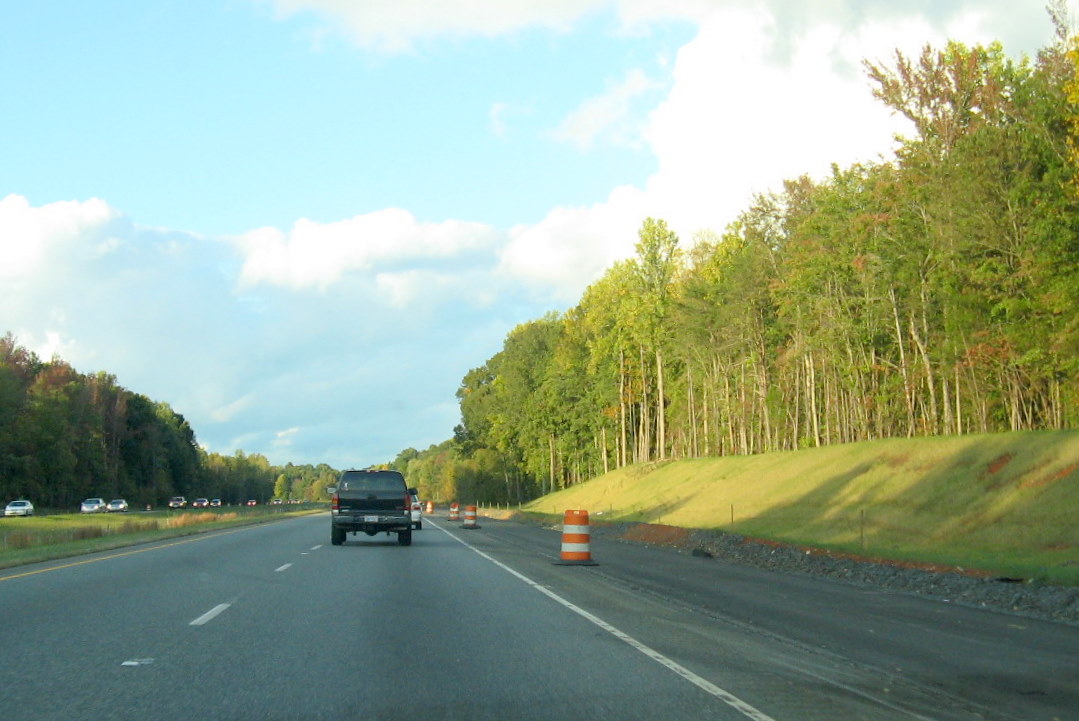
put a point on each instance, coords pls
(371, 501)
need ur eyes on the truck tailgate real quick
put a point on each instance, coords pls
(376, 502)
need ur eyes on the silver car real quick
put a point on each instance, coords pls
(92, 505)
(116, 505)
(19, 508)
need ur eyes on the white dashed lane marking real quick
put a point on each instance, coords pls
(210, 615)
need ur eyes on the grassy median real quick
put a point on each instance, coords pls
(47, 537)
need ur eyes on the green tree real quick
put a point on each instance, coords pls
(281, 487)
(657, 263)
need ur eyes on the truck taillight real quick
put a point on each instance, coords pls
(335, 503)
(408, 503)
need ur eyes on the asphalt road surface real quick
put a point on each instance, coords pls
(273, 622)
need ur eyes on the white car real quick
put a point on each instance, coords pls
(93, 505)
(416, 511)
(19, 508)
(116, 505)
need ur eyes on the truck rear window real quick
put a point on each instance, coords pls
(375, 481)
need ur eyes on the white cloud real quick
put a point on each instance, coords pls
(45, 253)
(607, 114)
(572, 247)
(230, 410)
(54, 346)
(319, 254)
(32, 236)
(403, 289)
(743, 116)
(285, 438)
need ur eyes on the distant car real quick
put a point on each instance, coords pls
(252, 502)
(177, 502)
(93, 505)
(116, 505)
(200, 503)
(215, 503)
(276, 501)
(416, 510)
(19, 508)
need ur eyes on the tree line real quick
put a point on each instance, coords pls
(930, 293)
(66, 436)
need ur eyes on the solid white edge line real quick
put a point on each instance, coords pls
(702, 683)
(210, 615)
(282, 568)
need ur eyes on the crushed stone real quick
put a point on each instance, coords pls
(1022, 597)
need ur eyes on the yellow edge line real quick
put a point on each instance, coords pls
(200, 537)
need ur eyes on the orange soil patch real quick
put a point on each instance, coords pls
(997, 464)
(656, 533)
(1052, 478)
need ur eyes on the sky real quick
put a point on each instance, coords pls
(300, 223)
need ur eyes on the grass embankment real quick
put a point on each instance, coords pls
(1006, 504)
(44, 538)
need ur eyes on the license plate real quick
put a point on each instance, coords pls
(370, 519)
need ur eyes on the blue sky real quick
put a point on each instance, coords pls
(184, 103)
(301, 222)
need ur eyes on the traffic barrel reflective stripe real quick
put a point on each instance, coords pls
(470, 518)
(455, 512)
(576, 537)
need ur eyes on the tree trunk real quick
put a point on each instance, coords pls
(603, 449)
(661, 414)
(644, 426)
(694, 448)
(932, 424)
(550, 446)
(908, 391)
(622, 407)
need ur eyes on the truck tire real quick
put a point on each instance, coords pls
(337, 536)
(404, 538)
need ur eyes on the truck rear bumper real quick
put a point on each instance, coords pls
(371, 523)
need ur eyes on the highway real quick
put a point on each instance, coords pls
(273, 622)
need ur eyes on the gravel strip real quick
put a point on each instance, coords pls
(1024, 598)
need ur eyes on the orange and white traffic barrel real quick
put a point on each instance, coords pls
(430, 507)
(470, 518)
(455, 512)
(576, 537)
